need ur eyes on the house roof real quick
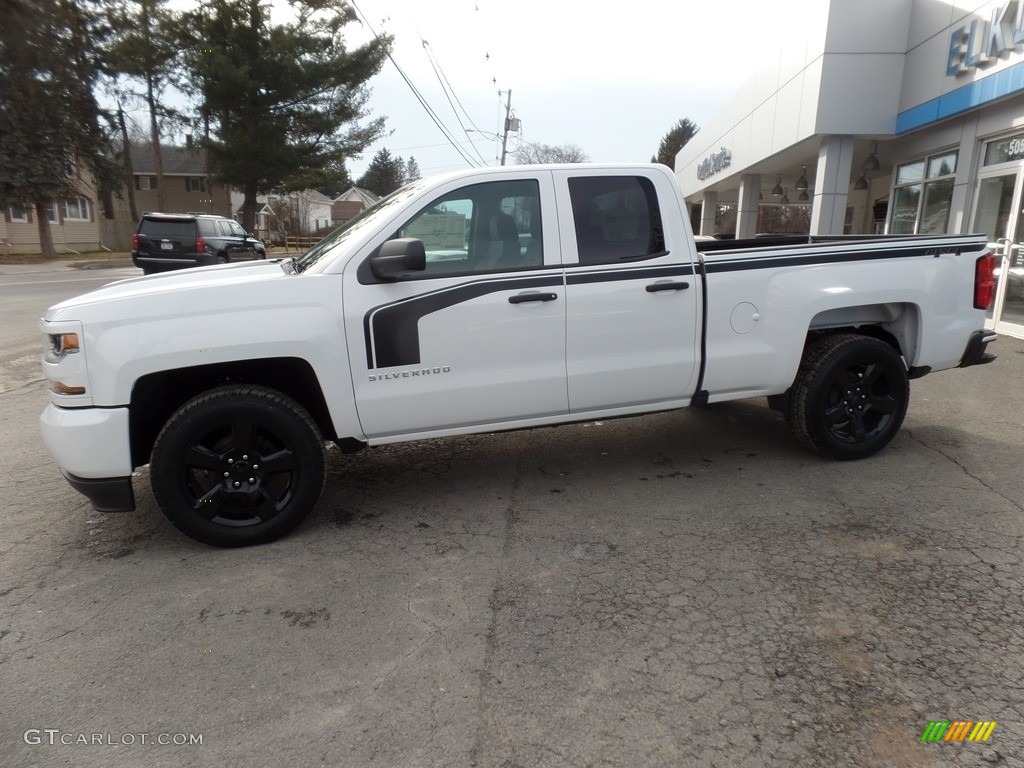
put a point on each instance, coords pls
(358, 194)
(180, 161)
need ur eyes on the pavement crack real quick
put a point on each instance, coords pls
(496, 601)
(965, 470)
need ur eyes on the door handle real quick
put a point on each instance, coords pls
(521, 298)
(656, 287)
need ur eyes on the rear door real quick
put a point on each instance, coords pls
(632, 296)
(479, 336)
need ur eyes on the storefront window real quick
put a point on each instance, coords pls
(923, 196)
(910, 172)
(904, 210)
(1005, 151)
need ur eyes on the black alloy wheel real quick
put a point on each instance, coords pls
(850, 396)
(238, 465)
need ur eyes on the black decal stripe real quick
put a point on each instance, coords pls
(616, 275)
(391, 330)
(808, 259)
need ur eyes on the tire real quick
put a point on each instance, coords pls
(238, 465)
(849, 398)
(223, 259)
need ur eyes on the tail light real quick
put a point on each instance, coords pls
(200, 244)
(984, 281)
(135, 241)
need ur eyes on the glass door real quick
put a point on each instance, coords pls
(998, 214)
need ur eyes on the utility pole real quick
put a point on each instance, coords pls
(508, 125)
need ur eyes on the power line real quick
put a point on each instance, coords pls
(449, 93)
(419, 97)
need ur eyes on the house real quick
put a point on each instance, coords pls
(187, 189)
(349, 204)
(304, 213)
(266, 220)
(74, 223)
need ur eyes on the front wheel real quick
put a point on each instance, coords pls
(849, 397)
(238, 465)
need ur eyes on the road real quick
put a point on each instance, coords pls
(25, 293)
(683, 589)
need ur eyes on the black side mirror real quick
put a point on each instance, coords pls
(397, 258)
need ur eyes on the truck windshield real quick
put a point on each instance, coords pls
(343, 234)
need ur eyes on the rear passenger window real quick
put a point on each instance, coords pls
(616, 219)
(208, 227)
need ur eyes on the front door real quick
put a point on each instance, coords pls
(479, 336)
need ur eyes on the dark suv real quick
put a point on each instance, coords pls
(166, 241)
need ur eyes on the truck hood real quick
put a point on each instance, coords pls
(220, 279)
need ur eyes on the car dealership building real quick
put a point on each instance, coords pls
(880, 116)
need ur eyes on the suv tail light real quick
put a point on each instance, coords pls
(135, 241)
(984, 281)
(200, 244)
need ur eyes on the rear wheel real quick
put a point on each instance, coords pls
(238, 465)
(849, 398)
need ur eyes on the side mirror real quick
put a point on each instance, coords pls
(397, 258)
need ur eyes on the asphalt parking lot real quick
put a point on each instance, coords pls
(684, 589)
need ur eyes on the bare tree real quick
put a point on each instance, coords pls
(543, 154)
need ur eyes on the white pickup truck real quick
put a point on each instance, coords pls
(488, 300)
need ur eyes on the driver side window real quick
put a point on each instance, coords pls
(490, 227)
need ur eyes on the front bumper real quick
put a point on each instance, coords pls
(106, 494)
(92, 449)
(975, 353)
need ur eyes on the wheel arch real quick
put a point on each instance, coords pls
(896, 323)
(156, 396)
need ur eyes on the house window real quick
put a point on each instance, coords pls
(76, 210)
(145, 182)
(195, 184)
(923, 196)
(18, 214)
(51, 211)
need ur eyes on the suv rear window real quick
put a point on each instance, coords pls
(158, 228)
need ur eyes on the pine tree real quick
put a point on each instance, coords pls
(412, 170)
(384, 174)
(283, 101)
(49, 119)
(673, 141)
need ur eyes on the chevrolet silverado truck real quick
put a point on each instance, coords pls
(488, 300)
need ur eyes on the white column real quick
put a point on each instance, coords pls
(746, 216)
(707, 213)
(831, 185)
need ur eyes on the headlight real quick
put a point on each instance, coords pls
(64, 362)
(62, 344)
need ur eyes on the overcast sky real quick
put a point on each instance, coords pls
(612, 79)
